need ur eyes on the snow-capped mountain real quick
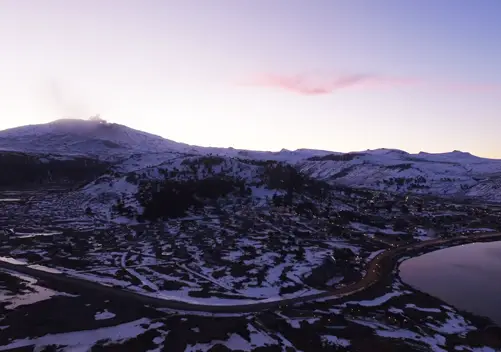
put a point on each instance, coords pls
(84, 137)
(447, 174)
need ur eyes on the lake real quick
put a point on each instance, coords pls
(467, 277)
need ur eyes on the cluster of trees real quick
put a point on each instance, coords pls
(411, 182)
(284, 177)
(205, 163)
(305, 208)
(344, 172)
(399, 167)
(287, 178)
(263, 163)
(25, 170)
(336, 157)
(121, 208)
(171, 199)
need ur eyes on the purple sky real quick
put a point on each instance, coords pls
(263, 74)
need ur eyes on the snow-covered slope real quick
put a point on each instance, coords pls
(101, 139)
(101, 195)
(283, 155)
(84, 137)
(450, 174)
(444, 174)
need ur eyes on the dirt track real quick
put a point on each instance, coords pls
(380, 266)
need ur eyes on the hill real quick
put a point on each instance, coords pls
(455, 174)
(84, 137)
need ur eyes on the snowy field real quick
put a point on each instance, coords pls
(109, 324)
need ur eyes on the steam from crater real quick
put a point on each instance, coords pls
(97, 118)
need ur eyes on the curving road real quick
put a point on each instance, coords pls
(380, 267)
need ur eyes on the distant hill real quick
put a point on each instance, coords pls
(443, 174)
(84, 137)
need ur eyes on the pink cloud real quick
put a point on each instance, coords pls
(316, 85)
(326, 84)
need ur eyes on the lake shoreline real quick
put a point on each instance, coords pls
(417, 253)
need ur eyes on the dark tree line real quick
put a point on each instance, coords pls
(25, 170)
(336, 157)
(287, 178)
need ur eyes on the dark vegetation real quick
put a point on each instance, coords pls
(418, 182)
(337, 157)
(171, 199)
(399, 167)
(344, 217)
(337, 264)
(24, 170)
(344, 172)
(287, 178)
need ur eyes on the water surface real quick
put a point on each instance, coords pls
(467, 277)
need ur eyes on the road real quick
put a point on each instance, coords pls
(380, 267)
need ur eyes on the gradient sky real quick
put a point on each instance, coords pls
(262, 74)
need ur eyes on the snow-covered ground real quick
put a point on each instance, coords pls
(445, 174)
(30, 293)
(240, 249)
(85, 340)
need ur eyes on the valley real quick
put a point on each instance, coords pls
(217, 249)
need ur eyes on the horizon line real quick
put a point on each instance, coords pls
(90, 120)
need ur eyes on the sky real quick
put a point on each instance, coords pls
(339, 75)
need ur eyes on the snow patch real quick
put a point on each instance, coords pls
(84, 340)
(104, 315)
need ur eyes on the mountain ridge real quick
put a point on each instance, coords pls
(116, 135)
(140, 155)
